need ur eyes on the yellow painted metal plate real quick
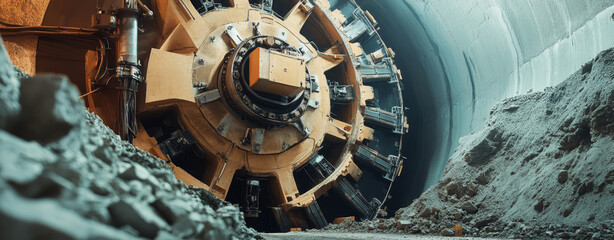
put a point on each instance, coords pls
(169, 76)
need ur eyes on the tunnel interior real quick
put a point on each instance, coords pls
(458, 60)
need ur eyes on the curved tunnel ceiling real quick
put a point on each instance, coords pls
(459, 58)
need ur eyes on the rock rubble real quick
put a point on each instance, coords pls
(542, 168)
(65, 175)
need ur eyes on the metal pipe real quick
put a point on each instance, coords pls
(127, 67)
(128, 36)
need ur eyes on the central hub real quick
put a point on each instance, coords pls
(276, 73)
(269, 85)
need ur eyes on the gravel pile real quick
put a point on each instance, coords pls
(543, 167)
(65, 175)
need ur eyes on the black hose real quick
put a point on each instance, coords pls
(19, 28)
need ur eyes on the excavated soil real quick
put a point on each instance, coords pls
(65, 175)
(543, 167)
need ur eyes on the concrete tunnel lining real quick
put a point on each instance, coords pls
(458, 60)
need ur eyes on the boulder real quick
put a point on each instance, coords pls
(51, 108)
(9, 90)
(446, 232)
(562, 178)
(469, 207)
(138, 216)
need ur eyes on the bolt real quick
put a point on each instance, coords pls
(270, 41)
(199, 84)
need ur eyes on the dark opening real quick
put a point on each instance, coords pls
(340, 111)
(314, 32)
(283, 7)
(165, 125)
(237, 194)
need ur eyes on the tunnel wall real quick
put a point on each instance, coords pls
(461, 57)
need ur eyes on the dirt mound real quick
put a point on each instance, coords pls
(65, 175)
(543, 167)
